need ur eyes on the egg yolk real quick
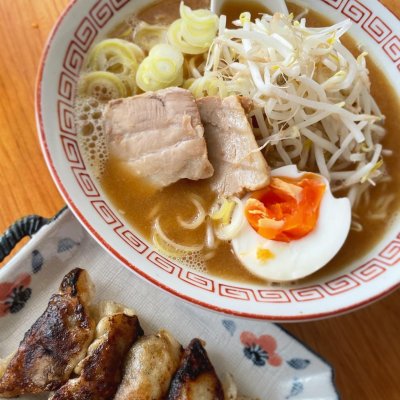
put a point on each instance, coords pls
(287, 209)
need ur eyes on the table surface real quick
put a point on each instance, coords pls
(363, 347)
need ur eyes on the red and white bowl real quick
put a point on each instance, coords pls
(86, 21)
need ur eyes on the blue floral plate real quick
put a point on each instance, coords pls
(265, 361)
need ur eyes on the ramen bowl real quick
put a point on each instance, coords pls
(372, 276)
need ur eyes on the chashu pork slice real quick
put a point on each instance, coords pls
(101, 371)
(150, 365)
(55, 343)
(196, 378)
(159, 135)
(232, 148)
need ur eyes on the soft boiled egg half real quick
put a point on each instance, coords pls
(293, 227)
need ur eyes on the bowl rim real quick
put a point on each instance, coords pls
(104, 243)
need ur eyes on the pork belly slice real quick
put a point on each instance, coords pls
(196, 378)
(55, 343)
(150, 365)
(101, 371)
(232, 148)
(159, 135)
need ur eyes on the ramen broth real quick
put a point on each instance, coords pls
(139, 203)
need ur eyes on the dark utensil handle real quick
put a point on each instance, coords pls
(26, 226)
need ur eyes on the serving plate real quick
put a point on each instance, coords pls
(267, 363)
(86, 22)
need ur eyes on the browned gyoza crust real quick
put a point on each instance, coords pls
(102, 369)
(196, 378)
(56, 342)
(149, 368)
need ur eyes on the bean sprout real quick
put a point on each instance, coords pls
(303, 79)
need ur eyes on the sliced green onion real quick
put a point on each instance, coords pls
(147, 36)
(177, 247)
(102, 85)
(164, 68)
(224, 213)
(161, 69)
(205, 86)
(201, 18)
(174, 35)
(109, 48)
(167, 51)
(194, 32)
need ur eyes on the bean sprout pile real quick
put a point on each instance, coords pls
(313, 105)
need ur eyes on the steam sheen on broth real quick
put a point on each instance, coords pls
(138, 202)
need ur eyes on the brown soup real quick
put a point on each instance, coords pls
(138, 203)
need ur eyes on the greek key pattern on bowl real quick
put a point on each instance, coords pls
(333, 3)
(190, 277)
(109, 217)
(66, 115)
(84, 36)
(373, 25)
(369, 271)
(86, 33)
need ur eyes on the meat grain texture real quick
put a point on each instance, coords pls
(232, 148)
(159, 135)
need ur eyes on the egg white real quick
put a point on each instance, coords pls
(298, 258)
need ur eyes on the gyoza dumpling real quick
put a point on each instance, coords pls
(55, 343)
(101, 371)
(196, 378)
(150, 365)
